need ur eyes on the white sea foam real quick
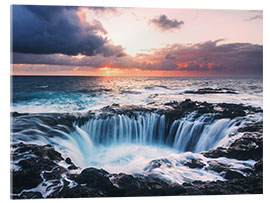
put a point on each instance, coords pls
(127, 144)
(133, 91)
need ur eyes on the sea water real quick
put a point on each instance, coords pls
(47, 94)
(121, 143)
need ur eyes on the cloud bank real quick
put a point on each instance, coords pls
(55, 29)
(239, 59)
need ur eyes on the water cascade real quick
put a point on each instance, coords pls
(123, 143)
(186, 134)
(103, 135)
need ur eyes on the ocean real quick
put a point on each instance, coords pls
(48, 94)
(143, 126)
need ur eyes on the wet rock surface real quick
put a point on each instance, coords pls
(157, 164)
(212, 91)
(92, 182)
(71, 164)
(172, 110)
(194, 163)
(37, 166)
(175, 110)
(54, 120)
(220, 110)
(33, 165)
(249, 146)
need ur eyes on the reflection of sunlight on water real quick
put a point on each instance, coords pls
(134, 90)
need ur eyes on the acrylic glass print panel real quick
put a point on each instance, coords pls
(116, 102)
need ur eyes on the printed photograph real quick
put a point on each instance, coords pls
(129, 101)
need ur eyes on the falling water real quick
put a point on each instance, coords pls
(142, 129)
(90, 143)
(186, 134)
(122, 143)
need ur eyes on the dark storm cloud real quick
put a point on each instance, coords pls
(48, 13)
(220, 59)
(65, 60)
(163, 23)
(55, 29)
(233, 58)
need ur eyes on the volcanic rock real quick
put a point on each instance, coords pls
(195, 163)
(249, 146)
(212, 91)
(157, 164)
(92, 182)
(32, 161)
(233, 175)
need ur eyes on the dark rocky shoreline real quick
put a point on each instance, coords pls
(212, 91)
(43, 166)
(172, 110)
(92, 182)
(175, 110)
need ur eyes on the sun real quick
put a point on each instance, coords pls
(106, 71)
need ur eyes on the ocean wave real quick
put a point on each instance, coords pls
(209, 90)
(42, 86)
(157, 87)
(28, 96)
(91, 91)
(129, 92)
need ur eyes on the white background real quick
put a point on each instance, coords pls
(199, 4)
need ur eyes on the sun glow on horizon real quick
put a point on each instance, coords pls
(106, 71)
(26, 69)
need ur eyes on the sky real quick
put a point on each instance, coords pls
(112, 41)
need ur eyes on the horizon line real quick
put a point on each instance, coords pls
(11, 75)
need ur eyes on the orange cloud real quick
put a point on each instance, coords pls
(235, 59)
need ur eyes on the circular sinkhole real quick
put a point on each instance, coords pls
(148, 144)
(121, 143)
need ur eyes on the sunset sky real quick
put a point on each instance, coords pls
(104, 41)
